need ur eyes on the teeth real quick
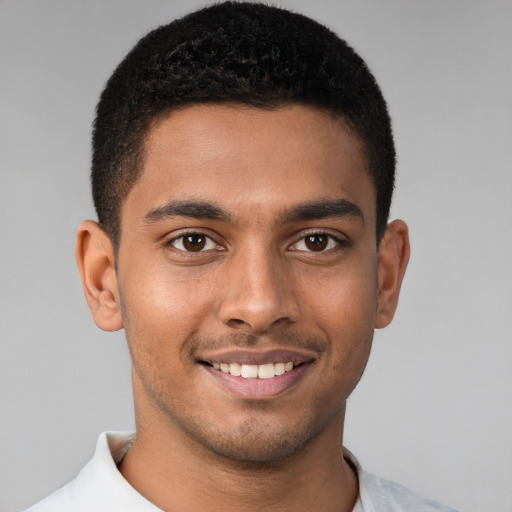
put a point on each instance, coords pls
(266, 371)
(254, 371)
(249, 371)
(279, 368)
(235, 369)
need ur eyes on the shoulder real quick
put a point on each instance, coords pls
(377, 494)
(68, 496)
(99, 486)
(381, 495)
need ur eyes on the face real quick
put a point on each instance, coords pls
(248, 277)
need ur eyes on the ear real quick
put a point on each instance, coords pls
(95, 259)
(394, 251)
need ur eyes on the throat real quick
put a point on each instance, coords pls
(329, 484)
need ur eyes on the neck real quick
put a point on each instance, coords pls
(176, 472)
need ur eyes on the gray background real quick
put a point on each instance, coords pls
(434, 409)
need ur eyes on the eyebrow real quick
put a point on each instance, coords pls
(202, 210)
(323, 209)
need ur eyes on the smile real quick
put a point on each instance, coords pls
(254, 371)
(257, 374)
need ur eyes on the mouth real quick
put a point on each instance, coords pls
(253, 371)
(257, 374)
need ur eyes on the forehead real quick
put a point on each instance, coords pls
(241, 157)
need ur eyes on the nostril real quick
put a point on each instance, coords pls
(235, 322)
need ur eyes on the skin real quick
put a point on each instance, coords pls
(256, 284)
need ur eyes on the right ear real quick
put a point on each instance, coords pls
(94, 254)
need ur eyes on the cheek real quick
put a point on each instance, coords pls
(350, 328)
(345, 310)
(160, 312)
(349, 319)
(164, 290)
(345, 299)
(349, 313)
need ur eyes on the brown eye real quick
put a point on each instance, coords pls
(316, 242)
(194, 243)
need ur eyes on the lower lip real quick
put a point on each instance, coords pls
(259, 389)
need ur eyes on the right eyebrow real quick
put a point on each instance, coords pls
(202, 210)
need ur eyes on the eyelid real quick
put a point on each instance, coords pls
(339, 240)
(191, 232)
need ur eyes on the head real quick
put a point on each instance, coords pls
(242, 171)
(234, 53)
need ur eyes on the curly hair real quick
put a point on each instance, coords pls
(234, 52)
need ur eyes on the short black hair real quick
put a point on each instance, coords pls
(242, 53)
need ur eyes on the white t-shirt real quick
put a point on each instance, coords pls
(100, 487)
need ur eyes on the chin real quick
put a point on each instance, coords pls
(255, 442)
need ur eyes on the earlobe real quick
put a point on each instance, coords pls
(394, 251)
(95, 259)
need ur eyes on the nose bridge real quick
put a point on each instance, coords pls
(257, 291)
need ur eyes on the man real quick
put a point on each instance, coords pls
(243, 168)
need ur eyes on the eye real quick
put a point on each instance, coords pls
(317, 242)
(193, 242)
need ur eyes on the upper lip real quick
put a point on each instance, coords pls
(257, 356)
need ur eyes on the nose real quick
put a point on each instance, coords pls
(258, 292)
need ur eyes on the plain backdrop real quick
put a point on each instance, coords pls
(434, 409)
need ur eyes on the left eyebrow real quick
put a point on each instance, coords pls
(325, 209)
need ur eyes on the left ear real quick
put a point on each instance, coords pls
(394, 251)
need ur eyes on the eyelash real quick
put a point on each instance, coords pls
(183, 236)
(340, 242)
